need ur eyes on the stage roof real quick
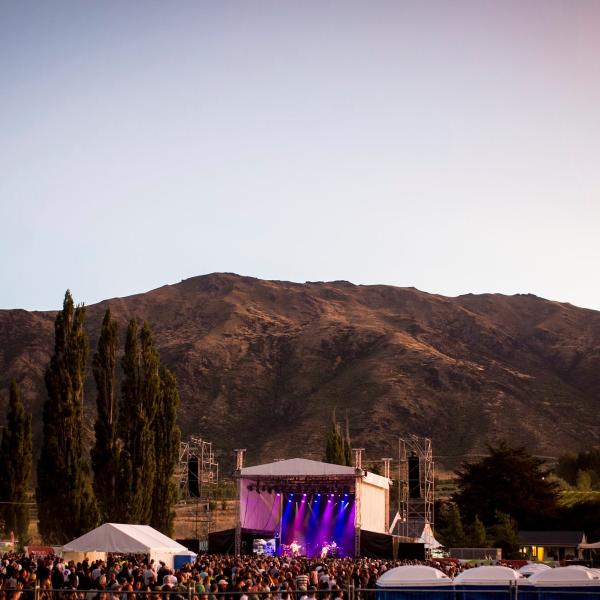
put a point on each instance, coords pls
(298, 467)
(302, 467)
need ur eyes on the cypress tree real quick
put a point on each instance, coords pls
(66, 507)
(15, 467)
(334, 450)
(347, 444)
(140, 392)
(105, 453)
(477, 534)
(166, 443)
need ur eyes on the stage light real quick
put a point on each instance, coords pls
(304, 495)
(318, 495)
(278, 495)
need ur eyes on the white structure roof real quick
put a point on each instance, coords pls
(487, 575)
(303, 467)
(567, 576)
(298, 467)
(126, 539)
(413, 575)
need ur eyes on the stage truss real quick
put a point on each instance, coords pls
(417, 512)
(197, 487)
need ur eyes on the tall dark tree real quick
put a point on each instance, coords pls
(347, 444)
(66, 506)
(166, 443)
(452, 535)
(334, 449)
(15, 468)
(509, 480)
(505, 535)
(477, 534)
(105, 453)
(140, 391)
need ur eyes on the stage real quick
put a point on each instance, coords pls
(302, 507)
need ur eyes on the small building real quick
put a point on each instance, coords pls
(551, 545)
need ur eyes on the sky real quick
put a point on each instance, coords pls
(452, 145)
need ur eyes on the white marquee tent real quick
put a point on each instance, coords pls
(124, 539)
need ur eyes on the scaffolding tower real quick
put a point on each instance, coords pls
(416, 485)
(198, 478)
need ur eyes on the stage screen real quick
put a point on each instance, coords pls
(318, 524)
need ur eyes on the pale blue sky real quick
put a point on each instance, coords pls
(449, 145)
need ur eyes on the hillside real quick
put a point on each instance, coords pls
(261, 365)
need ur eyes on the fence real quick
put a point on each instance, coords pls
(450, 592)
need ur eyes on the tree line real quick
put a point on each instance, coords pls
(511, 490)
(128, 474)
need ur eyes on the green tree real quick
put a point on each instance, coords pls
(347, 444)
(452, 535)
(166, 442)
(66, 504)
(15, 467)
(140, 391)
(105, 453)
(334, 450)
(505, 535)
(511, 481)
(477, 534)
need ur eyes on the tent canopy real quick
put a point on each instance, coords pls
(124, 539)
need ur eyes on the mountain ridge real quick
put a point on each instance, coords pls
(262, 363)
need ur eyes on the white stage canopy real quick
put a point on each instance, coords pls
(126, 539)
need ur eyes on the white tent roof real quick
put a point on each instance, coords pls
(487, 575)
(413, 575)
(568, 576)
(126, 539)
(594, 546)
(297, 467)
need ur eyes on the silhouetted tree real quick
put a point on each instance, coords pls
(452, 535)
(66, 504)
(166, 442)
(15, 468)
(505, 535)
(477, 534)
(334, 450)
(140, 392)
(105, 453)
(509, 480)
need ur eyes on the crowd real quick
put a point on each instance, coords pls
(209, 578)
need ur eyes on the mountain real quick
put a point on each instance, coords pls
(262, 364)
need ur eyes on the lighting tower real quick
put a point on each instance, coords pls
(416, 481)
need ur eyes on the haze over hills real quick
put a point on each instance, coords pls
(262, 364)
